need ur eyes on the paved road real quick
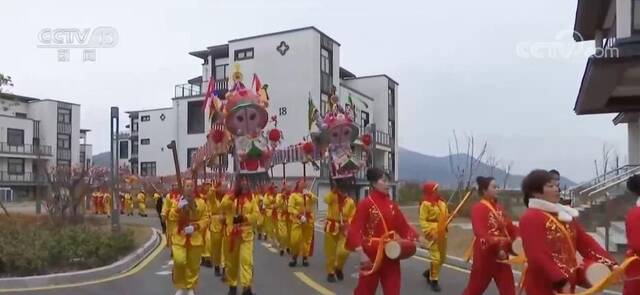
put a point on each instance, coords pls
(272, 276)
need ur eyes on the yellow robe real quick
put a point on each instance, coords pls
(283, 224)
(432, 219)
(106, 203)
(301, 204)
(215, 228)
(270, 215)
(164, 214)
(338, 219)
(128, 204)
(239, 251)
(142, 204)
(187, 249)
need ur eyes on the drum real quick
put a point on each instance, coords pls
(592, 272)
(399, 249)
(516, 247)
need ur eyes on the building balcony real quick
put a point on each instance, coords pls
(381, 137)
(26, 149)
(200, 88)
(64, 128)
(63, 154)
(27, 178)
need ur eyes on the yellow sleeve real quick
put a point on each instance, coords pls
(165, 207)
(293, 208)
(254, 217)
(350, 210)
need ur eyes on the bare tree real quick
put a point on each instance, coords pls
(464, 166)
(507, 170)
(492, 163)
(68, 188)
(604, 165)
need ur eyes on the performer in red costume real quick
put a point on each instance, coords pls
(632, 282)
(494, 232)
(378, 219)
(551, 237)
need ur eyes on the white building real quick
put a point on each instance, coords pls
(295, 63)
(32, 129)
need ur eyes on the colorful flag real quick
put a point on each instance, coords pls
(312, 111)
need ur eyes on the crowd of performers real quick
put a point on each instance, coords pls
(102, 202)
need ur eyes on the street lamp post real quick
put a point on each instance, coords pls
(115, 130)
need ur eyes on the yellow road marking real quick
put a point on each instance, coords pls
(311, 283)
(132, 271)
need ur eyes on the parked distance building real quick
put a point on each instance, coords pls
(296, 64)
(37, 134)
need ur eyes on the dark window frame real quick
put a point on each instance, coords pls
(10, 136)
(124, 150)
(326, 76)
(243, 54)
(21, 115)
(634, 20)
(63, 116)
(195, 117)
(66, 141)
(145, 141)
(391, 95)
(148, 168)
(135, 147)
(17, 162)
(363, 115)
(145, 118)
(225, 72)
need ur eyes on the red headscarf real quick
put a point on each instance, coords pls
(430, 192)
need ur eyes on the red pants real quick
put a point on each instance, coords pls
(483, 270)
(388, 275)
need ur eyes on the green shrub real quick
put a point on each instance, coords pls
(33, 249)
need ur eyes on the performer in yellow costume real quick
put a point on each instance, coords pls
(242, 215)
(214, 201)
(106, 202)
(141, 199)
(283, 224)
(172, 196)
(270, 214)
(189, 219)
(301, 204)
(340, 211)
(203, 192)
(433, 217)
(260, 227)
(128, 203)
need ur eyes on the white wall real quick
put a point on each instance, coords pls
(633, 131)
(623, 18)
(47, 113)
(185, 141)
(12, 107)
(16, 123)
(376, 88)
(160, 134)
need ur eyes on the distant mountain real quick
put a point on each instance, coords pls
(102, 159)
(419, 167)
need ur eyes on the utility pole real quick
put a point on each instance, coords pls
(115, 130)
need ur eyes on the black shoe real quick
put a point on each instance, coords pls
(339, 274)
(288, 251)
(305, 262)
(427, 275)
(331, 278)
(294, 262)
(247, 291)
(223, 275)
(216, 271)
(206, 262)
(435, 287)
(233, 290)
(281, 252)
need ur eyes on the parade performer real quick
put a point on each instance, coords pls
(141, 199)
(243, 216)
(301, 204)
(340, 211)
(189, 219)
(214, 199)
(632, 281)
(172, 196)
(433, 217)
(159, 201)
(494, 233)
(270, 214)
(377, 221)
(551, 237)
(106, 202)
(261, 228)
(284, 222)
(128, 204)
(203, 192)
(96, 202)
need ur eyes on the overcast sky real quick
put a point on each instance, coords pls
(463, 65)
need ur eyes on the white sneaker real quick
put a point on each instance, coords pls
(181, 292)
(190, 292)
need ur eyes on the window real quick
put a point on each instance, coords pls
(134, 126)
(323, 107)
(145, 118)
(21, 115)
(124, 149)
(392, 97)
(15, 166)
(15, 136)
(221, 72)
(364, 119)
(392, 128)
(148, 169)
(242, 54)
(64, 141)
(326, 70)
(82, 156)
(145, 141)
(195, 117)
(190, 153)
(63, 163)
(134, 147)
(64, 115)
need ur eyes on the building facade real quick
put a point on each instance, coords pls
(296, 64)
(36, 134)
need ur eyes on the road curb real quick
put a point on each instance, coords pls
(121, 266)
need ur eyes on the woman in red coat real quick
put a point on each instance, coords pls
(377, 216)
(551, 237)
(632, 284)
(494, 232)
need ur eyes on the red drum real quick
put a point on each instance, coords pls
(593, 272)
(399, 249)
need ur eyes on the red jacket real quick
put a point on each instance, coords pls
(633, 242)
(551, 262)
